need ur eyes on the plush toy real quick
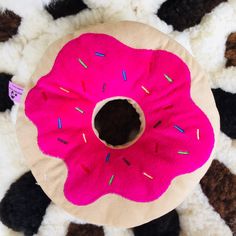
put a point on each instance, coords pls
(117, 124)
(25, 204)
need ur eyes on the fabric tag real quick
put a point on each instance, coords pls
(15, 92)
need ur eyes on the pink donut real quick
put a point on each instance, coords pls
(175, 136)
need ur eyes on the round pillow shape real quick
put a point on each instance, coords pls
(119, 124)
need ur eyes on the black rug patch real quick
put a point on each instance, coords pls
(167, 225)
(84, 230)
(182, 14)
(62, 8)
(219, 185)
(230, 50)
(9, 23)
(24, 205)
(5, 101)
(226, 105)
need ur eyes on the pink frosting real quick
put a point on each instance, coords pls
(154, 160)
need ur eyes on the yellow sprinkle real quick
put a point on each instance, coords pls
(84, 137)
(83, 64)
(183, 153)
(111, 179)
(145, 90)
(147, 175)
(65, 90)
(168, 78)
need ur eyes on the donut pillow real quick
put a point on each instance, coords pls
(119, 124)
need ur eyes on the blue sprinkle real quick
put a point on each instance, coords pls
(108, 157)
(99, 54)
(124, 75)
(62, 141)
(104, 87)
(178, 128)
(59, 123)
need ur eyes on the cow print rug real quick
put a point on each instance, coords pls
(207, 28)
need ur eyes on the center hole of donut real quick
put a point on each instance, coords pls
(117, 122)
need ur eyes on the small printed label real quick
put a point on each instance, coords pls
(15, 92)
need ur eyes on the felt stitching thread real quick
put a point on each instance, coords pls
(157, 124)
(124, 75)
(126, 161)
(84, 137)
(85, 168)
(108, 156)
(104, 87)
(63, 89)
(145, 90)
(83, 64)
(168, 78)
(83, 85)
(111, 179)
(183, 152)
(59, 123)
(99, 54)
(198, 134)
(156, 148)
(179, 128)
(80, 110)
(147, 175)
(62, 141)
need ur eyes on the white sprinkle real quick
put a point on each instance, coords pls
(65, 90)
(84, 137)
(145, 90)
(78, 109)
(147, 175)
(198, 134)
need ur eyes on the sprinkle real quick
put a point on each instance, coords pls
(158, 123)
(82, 63)
(37, 183)
(80, 110)
(99, 54)
(62, 141)
(124, 75)
(45, 177)
(108, 156)
(147, 175)
(183, 153)
(104, 87)
(83, 86)
(111, 179)
(145, 90)
(59, 123)
(168, 78)
(63, 89)
(156, 148)
(178, 128)
(168, 107)
(126, 161)
(84, 137)
(85, 168)
(44, 96)
(198, 134)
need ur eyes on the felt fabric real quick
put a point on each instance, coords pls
(112, 209)
(76, 80)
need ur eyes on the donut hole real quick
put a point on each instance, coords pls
(117, 122)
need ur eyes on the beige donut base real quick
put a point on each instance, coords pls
(111, 209)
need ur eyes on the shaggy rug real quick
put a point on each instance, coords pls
(207, 28)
